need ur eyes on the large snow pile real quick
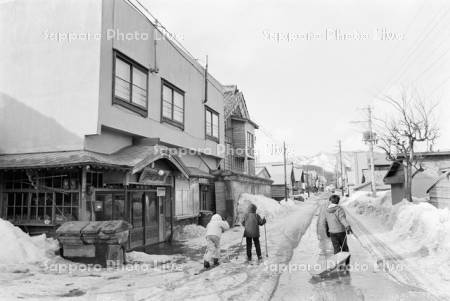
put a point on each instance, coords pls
(363, 203)
(424, 229)
(414, 228)
(266, 207)
(19, 248)
(188, 232)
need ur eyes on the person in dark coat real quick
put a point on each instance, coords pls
(251, 222)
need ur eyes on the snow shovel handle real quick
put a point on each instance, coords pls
(265, 236)
(345, 240)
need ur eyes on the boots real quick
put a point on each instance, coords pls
(216, 261)
(206, 264)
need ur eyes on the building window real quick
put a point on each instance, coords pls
(42, 197)
(186, 197)
(172, 99)
(130, 84)
(250, 144)
(212, 124)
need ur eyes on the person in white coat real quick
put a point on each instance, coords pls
(214, 231)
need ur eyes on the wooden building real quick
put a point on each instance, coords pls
(131, 131)
(237, 174)
(395, 177)
(439, 191)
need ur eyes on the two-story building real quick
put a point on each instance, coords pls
(237, 171)
(103, 117)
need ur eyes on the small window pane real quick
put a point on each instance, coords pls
(122, 88)
(139, 79)
(167, 94)
(208, 123)
(167, 109)
(139, 96)
(215, 123)
(178, 99)
(178, 114)
(122, 70)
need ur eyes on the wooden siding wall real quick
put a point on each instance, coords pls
(440, 194)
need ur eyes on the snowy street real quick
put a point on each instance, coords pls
(364, 283)
(173, 277)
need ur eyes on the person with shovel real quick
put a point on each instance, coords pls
(251, 222)
(337, 226)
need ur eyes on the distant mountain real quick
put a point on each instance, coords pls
(327, 161)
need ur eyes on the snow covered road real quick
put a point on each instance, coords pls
(173, 277)
(368, 281)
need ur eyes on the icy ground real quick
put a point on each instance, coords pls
(168, 277)
(415, 236)
(367, 281)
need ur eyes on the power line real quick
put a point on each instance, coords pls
(416, 45)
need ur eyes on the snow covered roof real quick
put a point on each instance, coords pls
(440, 178)
(134, 157)
(235, 105)
(298, 173)
(262, 172)
(276, 172)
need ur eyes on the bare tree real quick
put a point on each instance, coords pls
(412, 123)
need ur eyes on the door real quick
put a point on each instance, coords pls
(151, 218)
(161, 218)
(161, 192)
(137, 237)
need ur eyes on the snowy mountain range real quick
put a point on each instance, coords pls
(327, 161)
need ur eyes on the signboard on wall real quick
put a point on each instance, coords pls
(160, 191)
(151, 176)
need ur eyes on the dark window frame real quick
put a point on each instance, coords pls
(171, 120)
(143, 111)
(250, 146)
(207, 136)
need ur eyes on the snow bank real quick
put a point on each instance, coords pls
(20, 248)
(416, 228)
(424, 229)
(266, 207)
(188, 232)
(364, 204)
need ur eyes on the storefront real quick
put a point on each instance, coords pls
(138, 185)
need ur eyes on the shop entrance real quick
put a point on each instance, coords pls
(148, 210)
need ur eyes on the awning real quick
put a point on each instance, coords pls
(133, 158)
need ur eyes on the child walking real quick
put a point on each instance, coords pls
(214, 231)
(337, 226)
(251, 222)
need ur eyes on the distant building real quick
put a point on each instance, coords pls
(237, 174)
(439, 191)
(432, 165)
(295, 178)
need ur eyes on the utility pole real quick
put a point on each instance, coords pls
(342, 171)
(371, 142)
(370, 137)
(285, 173)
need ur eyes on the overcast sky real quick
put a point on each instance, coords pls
(308, 89)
